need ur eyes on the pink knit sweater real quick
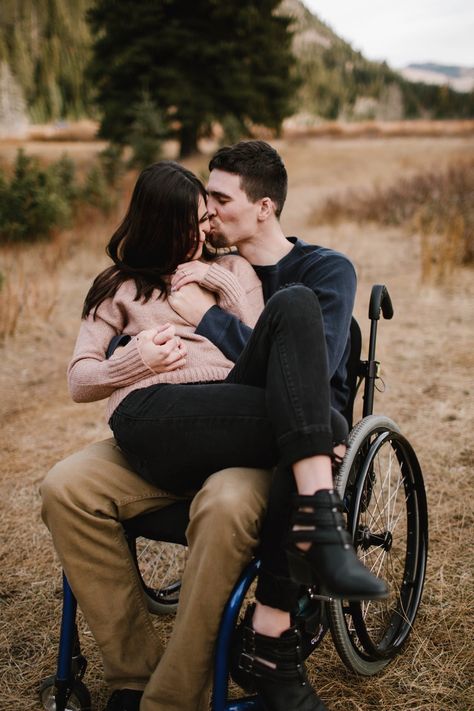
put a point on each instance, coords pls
(92, 377)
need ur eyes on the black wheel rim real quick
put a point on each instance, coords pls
(160, 566)
(388, 522)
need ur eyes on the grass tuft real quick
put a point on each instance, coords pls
(439, 205)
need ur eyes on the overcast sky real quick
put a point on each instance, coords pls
(403, 31)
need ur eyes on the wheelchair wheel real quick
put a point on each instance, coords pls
(382, 487)
(79, 699)
(160, 566)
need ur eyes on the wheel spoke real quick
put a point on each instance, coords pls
(160, 566)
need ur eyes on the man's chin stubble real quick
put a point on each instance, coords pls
(217, 240)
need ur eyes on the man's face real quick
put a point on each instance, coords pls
(232, 216)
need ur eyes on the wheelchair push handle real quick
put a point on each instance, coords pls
(380, 301)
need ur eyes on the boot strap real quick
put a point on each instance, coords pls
(323, 523)
(328, 536)
(331, 517)
(283, 673)
(327, 499)
(283, 652)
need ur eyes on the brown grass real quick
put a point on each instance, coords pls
(437, 204)
(30, 287)
(427, 363)
(308, 126)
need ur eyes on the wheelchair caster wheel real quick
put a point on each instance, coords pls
(79, 698)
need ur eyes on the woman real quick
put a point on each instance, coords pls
(181, 411)
(165, 225)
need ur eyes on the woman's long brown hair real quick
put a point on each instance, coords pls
(159, 231)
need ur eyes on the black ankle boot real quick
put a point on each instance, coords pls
(331, 561)
(273, 667)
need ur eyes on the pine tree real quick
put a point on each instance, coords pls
(199, 61)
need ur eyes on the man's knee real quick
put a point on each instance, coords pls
(62, 486)
(71, 480)
(56, 485)
(231, 502)
(295, 299)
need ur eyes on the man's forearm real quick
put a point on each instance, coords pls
(224, 330)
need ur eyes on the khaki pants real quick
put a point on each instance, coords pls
(84, 499)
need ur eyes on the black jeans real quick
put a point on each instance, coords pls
(271, 411)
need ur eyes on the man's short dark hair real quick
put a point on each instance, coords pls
(261, 170)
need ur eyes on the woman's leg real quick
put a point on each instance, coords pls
(286, 356)
(277, 391)
(273, 407)
(175, 436)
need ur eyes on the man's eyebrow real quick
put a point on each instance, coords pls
(217, 193)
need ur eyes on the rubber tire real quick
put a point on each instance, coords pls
(359, 660)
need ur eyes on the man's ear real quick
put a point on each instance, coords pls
(266, 209)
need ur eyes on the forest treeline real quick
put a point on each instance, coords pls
(237, 62)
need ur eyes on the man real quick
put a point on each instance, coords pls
(87, 495)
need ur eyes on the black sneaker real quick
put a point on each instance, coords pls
(124, 700)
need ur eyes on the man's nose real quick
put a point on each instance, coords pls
(211, 208)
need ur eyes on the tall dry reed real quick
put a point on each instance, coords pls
(438, 205)
(30, 274)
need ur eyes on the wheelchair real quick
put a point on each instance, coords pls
(381, 484)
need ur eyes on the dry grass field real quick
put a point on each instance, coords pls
(427, 365)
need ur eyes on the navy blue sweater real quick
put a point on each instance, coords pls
(331, 276)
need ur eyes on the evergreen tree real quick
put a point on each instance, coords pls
(146, 134)
(199, 61)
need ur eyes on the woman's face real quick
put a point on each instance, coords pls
(204, 227)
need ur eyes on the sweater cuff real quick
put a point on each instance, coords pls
(127, 367)
(225, 283)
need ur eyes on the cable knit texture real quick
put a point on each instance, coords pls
(92, 377)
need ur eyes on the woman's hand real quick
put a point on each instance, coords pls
(161, 349)
(192, 303)
(188, 272)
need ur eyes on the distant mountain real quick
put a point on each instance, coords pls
(338, 82)
(458, 78)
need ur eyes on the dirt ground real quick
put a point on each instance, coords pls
(427, 356)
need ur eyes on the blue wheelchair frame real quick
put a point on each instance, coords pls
(72, 666)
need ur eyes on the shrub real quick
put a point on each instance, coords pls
(112, 164)
(96, 191)
(32, 204)
(64, 173)
(147, 133)
(437, 204)
(36, 200)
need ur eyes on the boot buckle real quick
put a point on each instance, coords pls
(246, 662)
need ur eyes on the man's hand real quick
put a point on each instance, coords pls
(187, 273)
(161, 349)
(191, 302)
